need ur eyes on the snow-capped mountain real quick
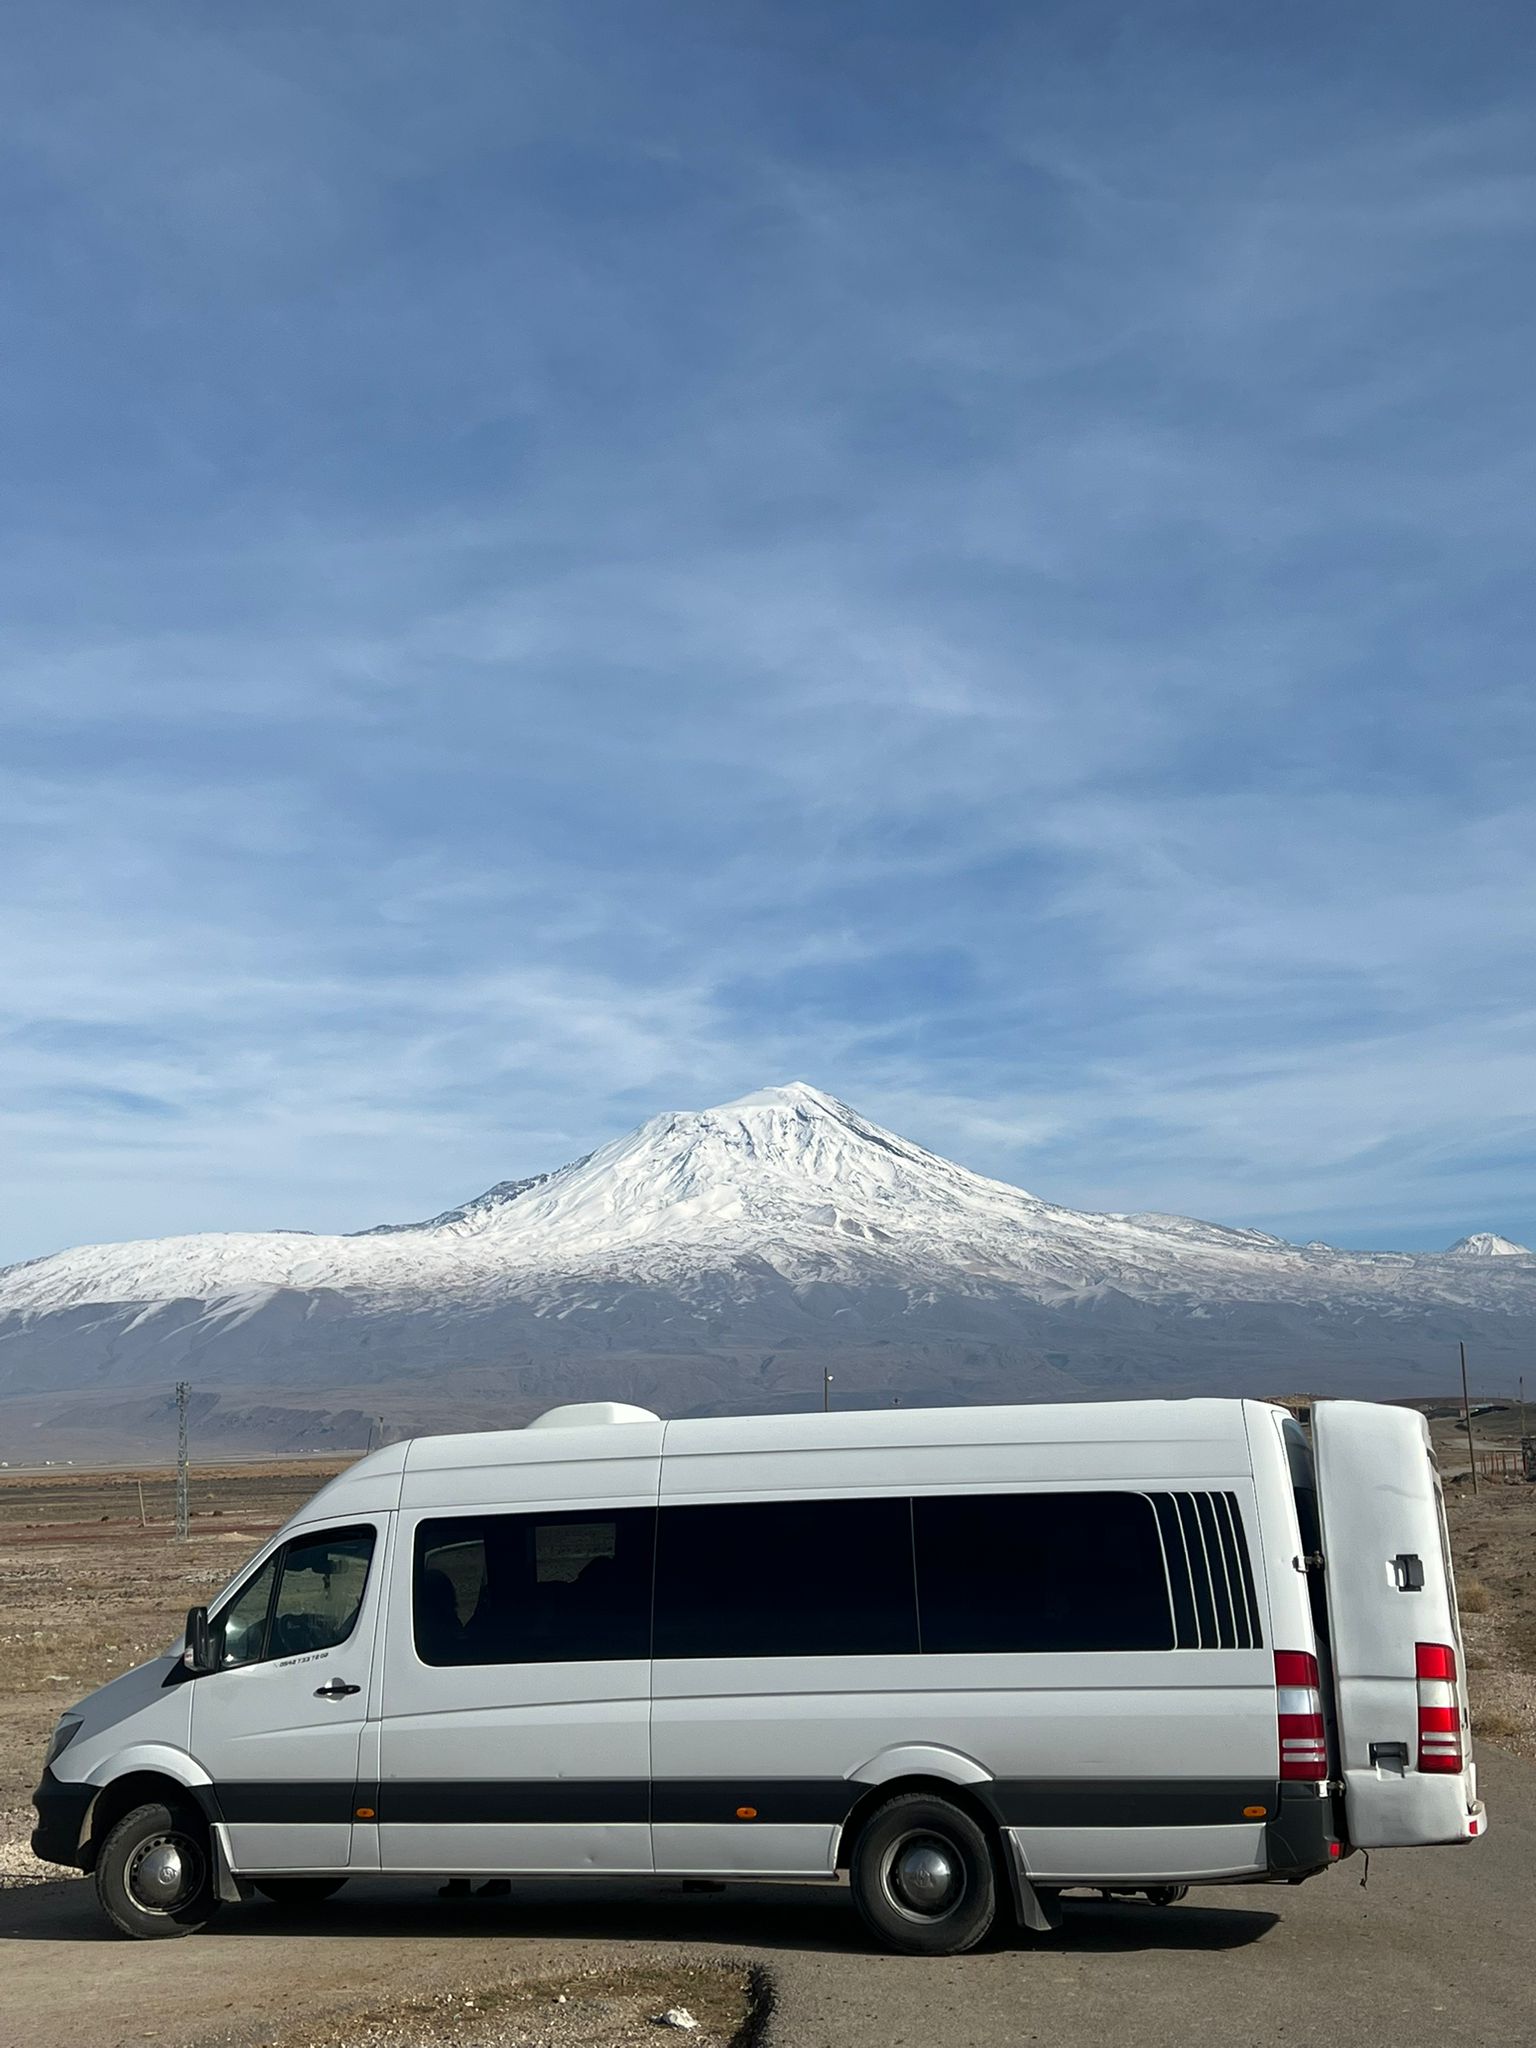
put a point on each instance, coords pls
(1487, 1244)
(722, 1258)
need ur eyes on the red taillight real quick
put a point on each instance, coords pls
(1439, 1708)
(1435, 1660)
(1299, 1705)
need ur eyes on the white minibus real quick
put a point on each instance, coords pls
(967, 1658)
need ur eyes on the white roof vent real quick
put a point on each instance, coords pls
(584, 1414)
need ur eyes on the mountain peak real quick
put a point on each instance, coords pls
(1487, 1244)
(791, 1095)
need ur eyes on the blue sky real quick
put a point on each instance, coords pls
(568, 560)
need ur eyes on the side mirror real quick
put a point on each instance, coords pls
(198, 1657)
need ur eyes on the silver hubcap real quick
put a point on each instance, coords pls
(164, 1872)
(923, 1877)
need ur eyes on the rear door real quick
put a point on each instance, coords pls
(1398, 1666)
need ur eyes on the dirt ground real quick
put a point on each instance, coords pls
(1493, 1540)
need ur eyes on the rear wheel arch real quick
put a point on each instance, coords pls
(968, 1797)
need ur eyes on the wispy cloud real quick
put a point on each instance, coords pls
(554, 574)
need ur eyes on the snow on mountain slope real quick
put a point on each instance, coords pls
(786, 1184)
(1487, 1244)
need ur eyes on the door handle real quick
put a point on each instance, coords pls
(338, 1689)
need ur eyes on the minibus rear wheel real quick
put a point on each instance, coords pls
(923, 1876)
(298, 1891)
(154, 1874)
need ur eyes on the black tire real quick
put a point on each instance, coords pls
(1166, 1894)
(298, 1891)
(924, 1877)
(154, 1873)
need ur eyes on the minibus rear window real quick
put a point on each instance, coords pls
(1041, 1572)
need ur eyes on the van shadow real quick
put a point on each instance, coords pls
(802, 1919)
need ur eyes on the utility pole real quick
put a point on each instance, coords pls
(826, 1392)
(1466, 1411)
(183, 1498)
(1522, 1408)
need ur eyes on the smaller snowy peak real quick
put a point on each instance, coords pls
(1487, 1244)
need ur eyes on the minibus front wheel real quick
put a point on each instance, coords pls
(924, 1877)
(154, 1872)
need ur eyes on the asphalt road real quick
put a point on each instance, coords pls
(1440, 1947)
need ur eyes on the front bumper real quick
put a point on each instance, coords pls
(62, 1812)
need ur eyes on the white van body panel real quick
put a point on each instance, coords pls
(1036, 1726)
(766, 1456)
(456, 1740)
(165, 1760)
(1379, 1500)
(370, 1487)
(1142, 1855)
(133, 1717)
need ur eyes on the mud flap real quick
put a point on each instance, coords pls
(1042, 1915)
(227, 1888)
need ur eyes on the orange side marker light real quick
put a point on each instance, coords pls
(746, 1813)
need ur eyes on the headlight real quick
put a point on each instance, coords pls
(63, 1736)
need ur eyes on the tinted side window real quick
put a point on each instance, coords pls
(319, 1592)
(306, 1597)
(786, 1579)
(1041, 1571)
(242, 1626)
(534, 1588)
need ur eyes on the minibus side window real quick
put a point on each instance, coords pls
(305, 1597)
(319, 1592)
(1041, 1571)
(531, 1588)
(243, 1624)
(801, 1578)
